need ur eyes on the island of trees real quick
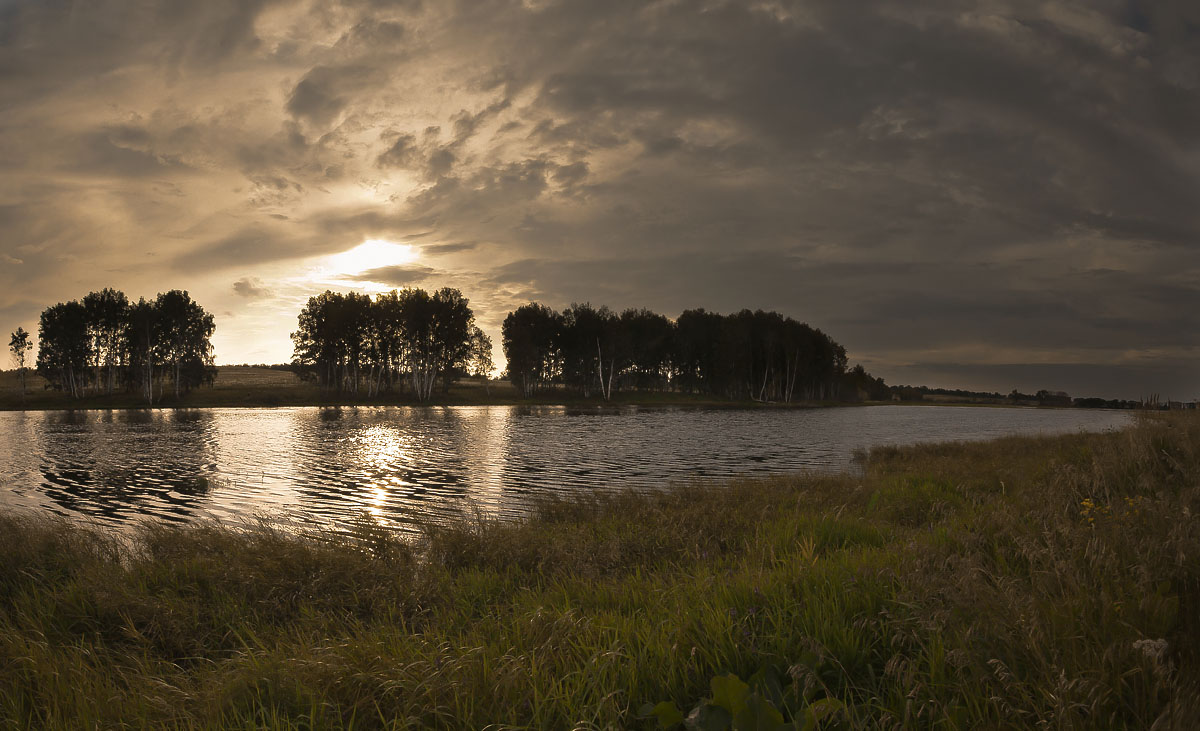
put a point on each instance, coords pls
(106, 343)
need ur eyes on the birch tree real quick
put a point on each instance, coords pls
(19, 346)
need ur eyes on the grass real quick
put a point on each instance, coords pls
(1016, 583)
(244, 386)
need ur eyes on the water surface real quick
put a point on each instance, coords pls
(330, 465)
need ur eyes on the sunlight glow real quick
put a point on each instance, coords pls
(371, 254)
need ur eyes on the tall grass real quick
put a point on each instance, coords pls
(1016, 583)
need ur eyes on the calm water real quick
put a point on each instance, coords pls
(324, 466)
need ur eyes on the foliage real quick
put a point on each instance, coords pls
(105, 342)
(757, 355)
(530, 345)
(19, 347)
(764, 703)
(350, 343)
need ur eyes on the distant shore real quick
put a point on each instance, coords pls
(258, 387)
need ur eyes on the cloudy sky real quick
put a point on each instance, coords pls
(990, 195)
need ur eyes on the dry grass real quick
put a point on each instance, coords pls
(1018, 583)
(251, 377)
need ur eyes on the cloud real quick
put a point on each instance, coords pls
(397, 276)
(453, 248)
(326, 90)
(931, 182)
(251, 288)
(402, 154)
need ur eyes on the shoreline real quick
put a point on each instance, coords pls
(257, 387)
(963, 579)
(104, 404)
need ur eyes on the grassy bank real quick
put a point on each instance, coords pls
(242, 386)
(1014, 583)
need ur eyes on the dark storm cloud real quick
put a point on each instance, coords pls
(971, 184)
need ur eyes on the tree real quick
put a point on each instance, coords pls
(757, 355)
(481, 358)
(20, 346)
(530, 341)
(401, 333)
(416, 310)
(65, 347)
(646, 340)
(453, 323)
(143, 347)
(107, 313)
(185, 332)
(587, 343)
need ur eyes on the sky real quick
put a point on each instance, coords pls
(986, 195)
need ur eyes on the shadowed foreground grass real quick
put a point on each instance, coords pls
(1014, 583)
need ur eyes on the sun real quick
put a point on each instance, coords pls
(371, 254)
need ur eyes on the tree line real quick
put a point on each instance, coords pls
(406, 340)
(764, 356)
(106, 343)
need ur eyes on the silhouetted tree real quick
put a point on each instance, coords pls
(453, 323)
(107, 314)
(750, 354)
(480, 358)
(104, 341)
(185, 332)
(697, 351)
(346, 340)
(645, 343)
(19, 346)
(587, 341)
(143, 347)
(862, 386)
(65, 349)
(530, 340)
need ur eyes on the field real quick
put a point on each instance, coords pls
(1019, 583)
(255, 386)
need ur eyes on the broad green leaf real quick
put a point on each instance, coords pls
(667, 713)
(817, 711)
(766, 682)
(729, 692)
(707, 717)
(758, 715)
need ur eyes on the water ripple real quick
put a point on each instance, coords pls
(393, 464)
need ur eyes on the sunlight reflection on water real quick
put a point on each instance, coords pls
(328, 466)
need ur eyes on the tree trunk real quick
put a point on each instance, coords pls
(600, 370)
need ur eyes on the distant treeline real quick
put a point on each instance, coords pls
(1040, 398)
(1062, 398)
(106, 343)
(917, 393)
(757, 355)
(352, 343)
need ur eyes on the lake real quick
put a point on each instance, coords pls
(326, 466)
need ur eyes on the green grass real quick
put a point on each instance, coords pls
(1015, 583)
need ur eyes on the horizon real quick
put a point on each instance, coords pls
(975, 196)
